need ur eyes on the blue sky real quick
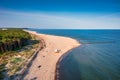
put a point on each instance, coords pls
(70, 14)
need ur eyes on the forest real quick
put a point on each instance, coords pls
(13, 39)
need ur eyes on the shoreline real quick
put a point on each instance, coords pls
(47, 58)
(59, 60)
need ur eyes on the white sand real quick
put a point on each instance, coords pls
(48, 63)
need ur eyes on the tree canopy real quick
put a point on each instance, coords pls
(11, 39)
(13, 34)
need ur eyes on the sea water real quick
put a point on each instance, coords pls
(98, 57)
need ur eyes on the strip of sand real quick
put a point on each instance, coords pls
(44, 65)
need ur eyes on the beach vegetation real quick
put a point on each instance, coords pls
(16, 47)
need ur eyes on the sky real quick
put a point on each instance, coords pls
(60, 14)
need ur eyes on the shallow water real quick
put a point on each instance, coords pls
(98, 58)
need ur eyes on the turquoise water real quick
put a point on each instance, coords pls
(98, 58)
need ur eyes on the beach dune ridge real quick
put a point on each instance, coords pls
(44, 65)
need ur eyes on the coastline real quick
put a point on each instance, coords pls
(59, 60)
(48, 70)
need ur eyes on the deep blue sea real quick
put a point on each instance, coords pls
(98, 58)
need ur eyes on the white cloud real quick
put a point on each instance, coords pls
(55, 21)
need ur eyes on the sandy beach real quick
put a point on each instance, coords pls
(44, 65)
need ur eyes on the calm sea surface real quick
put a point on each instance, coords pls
(98, 58)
